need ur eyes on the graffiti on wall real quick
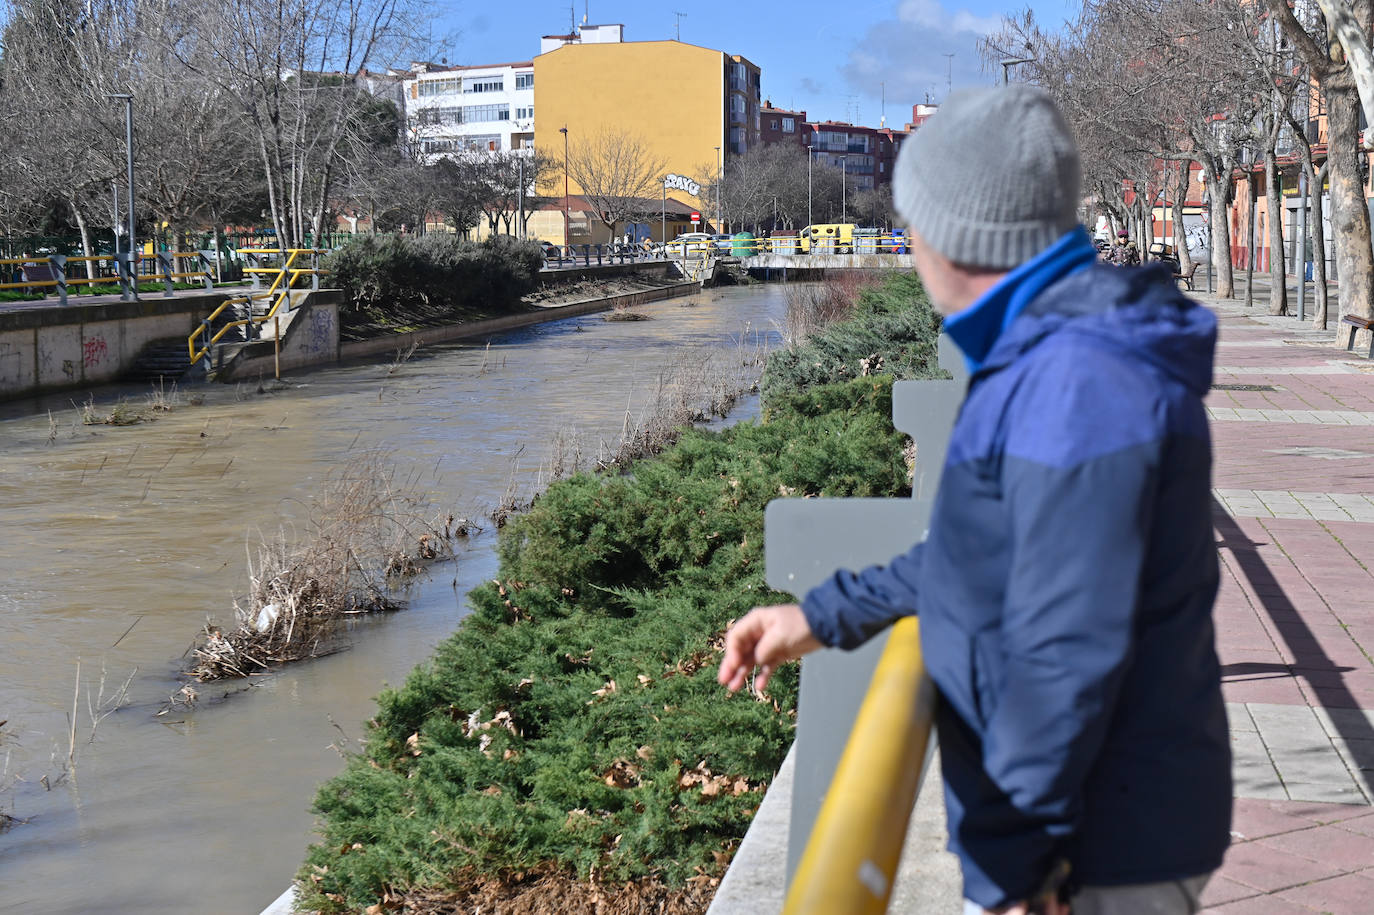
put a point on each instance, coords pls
(93, 351)
(322, 333)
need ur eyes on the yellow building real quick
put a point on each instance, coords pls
(689, 106)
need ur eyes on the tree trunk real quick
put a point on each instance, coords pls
(85, 231)
(1349, 213)
(1320, 304)
(1185, 260)
(1251, 198)
(1219, 190)
(1278, 280)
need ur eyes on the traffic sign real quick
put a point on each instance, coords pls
(696, 217)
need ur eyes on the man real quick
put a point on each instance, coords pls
(1066, 585)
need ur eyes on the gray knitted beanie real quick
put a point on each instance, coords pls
(992, 179)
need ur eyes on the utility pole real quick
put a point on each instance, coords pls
(129, 162)
(564, 131)
(949, 73)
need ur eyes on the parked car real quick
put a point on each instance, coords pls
(722, 243)
(688, 243)
(551, 251)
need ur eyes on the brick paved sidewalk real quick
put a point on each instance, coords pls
(1293, 432)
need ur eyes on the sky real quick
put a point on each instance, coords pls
(835, 59)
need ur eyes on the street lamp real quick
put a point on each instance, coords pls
(1011, 62)
(718, 219)
(844, 188)
(809, 159)
(564, 131)
(129, 162)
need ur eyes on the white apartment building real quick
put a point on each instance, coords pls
(470, 109)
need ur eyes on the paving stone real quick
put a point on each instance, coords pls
(1346, 793)
(1331, 845)
(1269, 869)
(1350, 894)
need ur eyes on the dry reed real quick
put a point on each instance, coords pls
(362, 532)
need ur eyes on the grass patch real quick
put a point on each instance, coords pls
(571, 734)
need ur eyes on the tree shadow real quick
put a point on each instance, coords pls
(1311, 663)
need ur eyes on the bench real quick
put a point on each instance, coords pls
(1187, 278)
(39, 273)
(1358, 323)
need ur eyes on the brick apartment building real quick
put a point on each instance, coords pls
(866, 154)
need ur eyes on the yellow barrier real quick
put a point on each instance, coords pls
(851, 859)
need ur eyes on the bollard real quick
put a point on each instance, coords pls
(166, 264)
(59, 272)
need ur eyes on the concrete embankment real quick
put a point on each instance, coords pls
(45, 347)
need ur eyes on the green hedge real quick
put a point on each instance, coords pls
(574, 720)
(405, 275)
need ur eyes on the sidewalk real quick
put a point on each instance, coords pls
(1293, 432)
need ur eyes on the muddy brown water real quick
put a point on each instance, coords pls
(146, 526)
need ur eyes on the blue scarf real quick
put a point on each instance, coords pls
(976, 328)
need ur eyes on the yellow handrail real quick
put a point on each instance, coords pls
(285, 272)
(851, 859)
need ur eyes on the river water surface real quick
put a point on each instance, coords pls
(147, 526)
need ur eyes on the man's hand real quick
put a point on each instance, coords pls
(764, 638)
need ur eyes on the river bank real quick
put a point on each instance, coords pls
(567, 748)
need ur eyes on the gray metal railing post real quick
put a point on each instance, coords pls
(209, 278)
(315, 269)
(600, 250)
(805, 540)
(166, 263)
(59, 272)
(253, 264)
(128, 284)
(586, 255)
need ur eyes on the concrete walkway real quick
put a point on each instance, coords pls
(1293, 431)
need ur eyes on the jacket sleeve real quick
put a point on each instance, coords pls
(852, 607)
(1079, 532)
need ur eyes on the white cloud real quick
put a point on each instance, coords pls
(909, 54)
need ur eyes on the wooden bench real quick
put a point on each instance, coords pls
(39, 273)
(1358, 323)
(1187, 278)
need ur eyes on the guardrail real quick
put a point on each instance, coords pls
(285, 276)
(850, 863)
(557, 257)
(53, 271)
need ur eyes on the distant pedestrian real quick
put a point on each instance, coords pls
(1065, 587)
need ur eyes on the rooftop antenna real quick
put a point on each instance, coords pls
(572, 18)
(679, 23)
(585, 11)
(949, 75)
(882, 112)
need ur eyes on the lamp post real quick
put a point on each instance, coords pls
(844, 188)
(718, 219)
(564, 131)
(1011, 62)
(129, 163)
(809, 158)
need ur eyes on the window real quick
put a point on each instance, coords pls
(522, 113)
(484, 84)
(736, 107)
(789, 125)
(445, 86)
(772, 123)
(738, 146)
(477, 114)
(432, 117)
(524, 80)
(484, 142)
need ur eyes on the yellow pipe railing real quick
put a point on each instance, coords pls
(285, 272)
(851, 859)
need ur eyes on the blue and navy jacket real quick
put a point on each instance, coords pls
(1065, 589)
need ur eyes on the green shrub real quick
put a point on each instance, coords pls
(397, 277)
(573, 720)
(893, 331)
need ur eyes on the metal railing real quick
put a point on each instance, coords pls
(53, 271)
(285, 275)
(560, 257)
(850, 862)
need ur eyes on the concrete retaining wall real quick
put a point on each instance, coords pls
(49, 348)
(310, 337)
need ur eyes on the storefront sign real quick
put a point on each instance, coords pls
(681, 183)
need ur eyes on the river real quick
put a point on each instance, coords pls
(120, 542)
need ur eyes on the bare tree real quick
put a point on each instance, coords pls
(618, 174)
(299, 70)
(1329, 65)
